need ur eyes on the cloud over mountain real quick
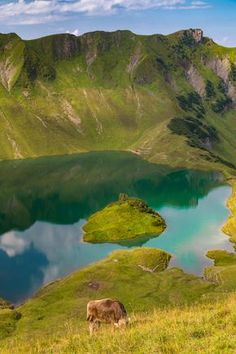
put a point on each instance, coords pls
(42, 11)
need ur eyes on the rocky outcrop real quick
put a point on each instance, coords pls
(10, 64)
(65, 46)
(190, 37)
(197, 35)
(135, 60)
(196, 80)
(231, 91)
(222, 68)
(5, 73)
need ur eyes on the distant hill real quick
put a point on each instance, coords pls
(170, 99)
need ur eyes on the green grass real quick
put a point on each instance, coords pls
(222, 258)
(230, 226)
(113, 102)
(123, 220)
(170, 311)
(110, 91)
(8, 322)
(205, 329)
(4, 304)
(122, 275)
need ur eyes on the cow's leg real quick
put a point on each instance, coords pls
(93, 326)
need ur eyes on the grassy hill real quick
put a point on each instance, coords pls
(195, 329)
(171, 311)
(169, 98)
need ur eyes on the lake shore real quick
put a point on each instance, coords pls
(229, 228)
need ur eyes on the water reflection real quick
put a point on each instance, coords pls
(43, 253)
(63, 190)
(44, 203)
(22, 274)
(192, 232)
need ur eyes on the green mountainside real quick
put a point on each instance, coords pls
(169, 98)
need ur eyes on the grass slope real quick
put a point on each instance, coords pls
(205, 329)
(121, 275)
(126, 219)
(170, 311)
(230, 226)
(118, 90)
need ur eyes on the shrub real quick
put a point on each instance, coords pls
(210, 90)
(233, 72)
(192, 102)
(222, 86)
(221, 104)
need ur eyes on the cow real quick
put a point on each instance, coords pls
(107, 311)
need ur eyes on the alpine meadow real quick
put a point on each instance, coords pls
(117, 184)
(168, 98)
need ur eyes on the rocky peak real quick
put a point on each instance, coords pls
(197, 35)
(65, 46)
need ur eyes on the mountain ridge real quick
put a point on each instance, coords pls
(170, 99)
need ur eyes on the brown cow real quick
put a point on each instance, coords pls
(108, 311)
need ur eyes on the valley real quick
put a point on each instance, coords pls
(83, 120)
(168, 98)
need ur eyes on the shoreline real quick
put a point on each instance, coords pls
(229, 228)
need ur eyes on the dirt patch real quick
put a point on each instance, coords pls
(94, 285)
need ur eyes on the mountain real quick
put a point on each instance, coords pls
(170, 99)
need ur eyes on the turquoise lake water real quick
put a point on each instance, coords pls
(45, 202)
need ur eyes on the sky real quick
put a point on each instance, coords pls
(37, 18)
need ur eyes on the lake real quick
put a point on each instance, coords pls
(44, 203)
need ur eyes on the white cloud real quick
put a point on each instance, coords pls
(13, 245)
(60, 244)
(42, 11)
(194, 5)
(75, 32)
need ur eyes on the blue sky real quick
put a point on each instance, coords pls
(35, 18)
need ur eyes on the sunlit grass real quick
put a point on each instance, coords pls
(208, 328)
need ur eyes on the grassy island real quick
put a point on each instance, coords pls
(125, 219)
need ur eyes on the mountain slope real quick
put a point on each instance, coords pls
(171, 311)
(196, 329)
(169, 98)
